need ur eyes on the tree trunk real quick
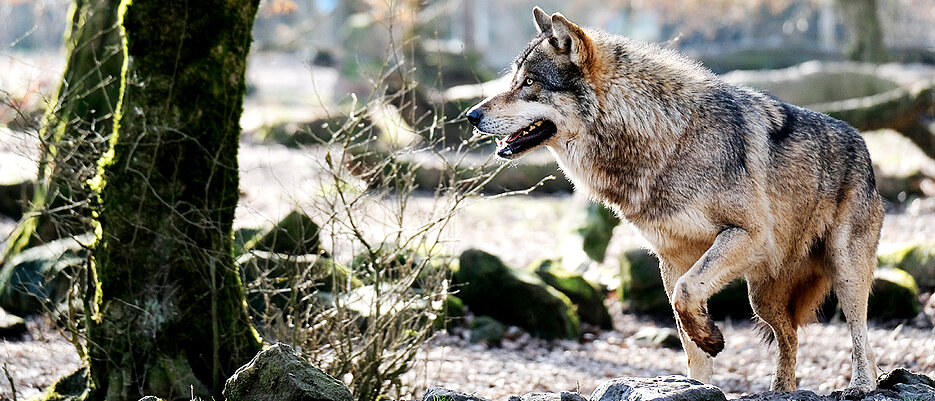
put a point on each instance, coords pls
(74, 133)
(168, 311)
(865, 36)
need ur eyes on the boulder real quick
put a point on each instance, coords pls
(14, 198)
(278, 374)
(274, 278)
(515, 297)
(659, 336)
(295, 234)
(563, 396)
(663, 388)
(444, 394)
(588, 299)
(487, 330)
(894, 295)
(39, 277)
(597, 230)
(452, 312)
(641, 283)
(918, 260)
(908, 385)
(11, 326)
(731, 301)
(71, 387)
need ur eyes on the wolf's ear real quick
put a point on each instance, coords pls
(570, 39)
(542, 20)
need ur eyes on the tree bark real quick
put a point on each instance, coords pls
(168, 308)
(865, 35)
(74, 132)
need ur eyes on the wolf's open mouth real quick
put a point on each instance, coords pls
(527, 138)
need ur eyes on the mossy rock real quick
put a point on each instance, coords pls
(485, 329)
(513, 296)
(918, 260)
(39, 277)
(452, 312)
(641, 283)
(895, 295)
(588, 299)
(597, 230)
(278, 374)
(11, 326)
(280, 279)
(71, 387)
(295, 234)
(319, 131)
(394, 262)
(731, 301)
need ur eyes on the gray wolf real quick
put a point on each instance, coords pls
(723, 181)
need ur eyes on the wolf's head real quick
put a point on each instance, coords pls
(550, 98)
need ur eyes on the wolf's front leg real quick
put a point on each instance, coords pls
(733, 252)
(700, 364)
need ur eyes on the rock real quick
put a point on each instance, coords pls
(798, 395)
(597, 230)
(452, 312)
(39, 277)
(587, 298)
(487, 330)
(273, 278)
(11, 326)
(151, 398)
(515, 297)
(908, 385)
(278, 374)
(659, 336)
(563, 396)
(731, 301)
(641, 283)
(918, 260)
(295, 234)
(14, 198)
(317, 131)
(894, 295)
(444, 394)
(71, 387)
(663, 388)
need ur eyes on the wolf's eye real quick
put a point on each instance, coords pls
(528, 82)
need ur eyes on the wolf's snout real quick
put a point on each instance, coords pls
(474, 116)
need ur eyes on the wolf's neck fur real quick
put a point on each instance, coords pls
(644, 115)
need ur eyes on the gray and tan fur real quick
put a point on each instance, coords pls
(723, 181)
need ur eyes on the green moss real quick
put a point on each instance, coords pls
(917, 259)
(513, 296)
(588, 299)
(72, 387)
(641, 283)
(894, 295)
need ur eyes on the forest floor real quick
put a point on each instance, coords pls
(520, 229)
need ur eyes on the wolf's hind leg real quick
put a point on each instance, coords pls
(853, 262)
(700, 364)
(732, 253)
(769, 299)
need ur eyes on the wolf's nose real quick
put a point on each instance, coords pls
(474, 116)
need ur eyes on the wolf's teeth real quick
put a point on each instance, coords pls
(538, 123)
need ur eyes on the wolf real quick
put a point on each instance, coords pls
(723, 181)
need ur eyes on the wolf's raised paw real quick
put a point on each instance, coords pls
(702, 331)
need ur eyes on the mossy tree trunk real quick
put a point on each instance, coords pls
(865, 34)
(168, 311)
(74, 132)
